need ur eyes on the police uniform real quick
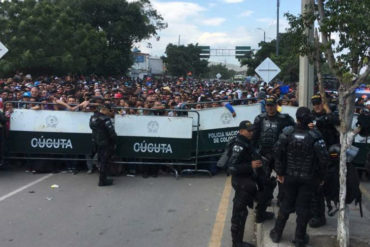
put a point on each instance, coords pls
(103, 141)
(266, 134)
(268, 129)
(326, 123)
(243, 182)
(300, 157)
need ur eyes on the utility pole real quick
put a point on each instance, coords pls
(306, 69)
(178, 43)
(277, 28)
(264, 34)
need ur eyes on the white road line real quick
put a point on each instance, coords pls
(24, 187)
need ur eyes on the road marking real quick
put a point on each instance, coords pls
(365, 192)
(219, 225)
(24, 187)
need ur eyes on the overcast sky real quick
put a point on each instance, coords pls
(219, 23)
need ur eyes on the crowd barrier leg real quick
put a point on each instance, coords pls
(196, 170)
(167, 164)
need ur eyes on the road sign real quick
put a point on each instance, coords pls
(267, 70)
(218, 76)
(205, 51)
(242, 51)
(3, 50)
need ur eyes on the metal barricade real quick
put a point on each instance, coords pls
(170, 163)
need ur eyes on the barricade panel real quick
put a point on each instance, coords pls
(218, 126)
(154, 136)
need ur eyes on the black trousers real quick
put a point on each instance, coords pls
(104, 158)
(245, 192)
(318, 203)
(297, 197)
(267, 183)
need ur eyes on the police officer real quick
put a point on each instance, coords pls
(241, 166)
(300, 164)
(326, 122)
(103, 139)
(268, 126)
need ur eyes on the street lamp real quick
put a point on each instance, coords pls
(264, 34)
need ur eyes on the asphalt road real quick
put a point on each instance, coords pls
(158, 212)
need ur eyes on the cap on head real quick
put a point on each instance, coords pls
(316, 99)
(271, 101)
(246, 125)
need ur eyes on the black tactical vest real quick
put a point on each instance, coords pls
(269, 132)
(300, 154)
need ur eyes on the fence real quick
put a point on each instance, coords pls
(142, 139)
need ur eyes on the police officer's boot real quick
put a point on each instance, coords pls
(262, 216)
(238, 219)
(302, 242)
(242, 244)
(316, 222)
(318, 210)
(103, 180)
(277, 231)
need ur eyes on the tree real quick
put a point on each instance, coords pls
(288, 59)
(220, 68)
(58, 37)
(123, 23)
(347, 58)
(180, 60)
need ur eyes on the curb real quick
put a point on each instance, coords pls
(259, 234)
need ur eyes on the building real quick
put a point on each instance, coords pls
(144, 65)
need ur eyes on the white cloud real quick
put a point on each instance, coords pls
(246, 13)
(239, 36)
(183, 19)
(177, 11)
(233, 1)
(214, 21)
(189, 20)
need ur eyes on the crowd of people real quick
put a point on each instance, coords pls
(147, 96)
(133, 96)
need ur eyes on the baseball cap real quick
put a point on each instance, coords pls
(27, 94)
(271, 101)
(316, 99)
(246, 125)
(118, 96)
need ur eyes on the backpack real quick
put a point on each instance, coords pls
(223, 161)
(331, 189)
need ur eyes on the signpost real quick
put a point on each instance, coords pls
(267, 70)
(3, 50)
(242, 52)
(205, 52)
